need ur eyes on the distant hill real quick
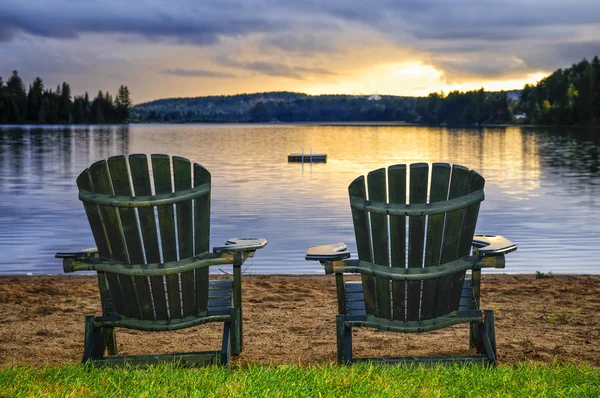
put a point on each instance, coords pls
(274, 106)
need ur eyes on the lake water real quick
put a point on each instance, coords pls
(542, 187)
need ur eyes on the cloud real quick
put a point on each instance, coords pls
(196, 73)
(306, 43)
(275, 68)
(185, 22)
(464, 39)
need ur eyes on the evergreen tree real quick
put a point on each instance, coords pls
(34, 102)
(3, 103)
(122, 103)
(64, 103)
(17, 97)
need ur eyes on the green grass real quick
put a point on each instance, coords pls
(361, 380)
(542, 275)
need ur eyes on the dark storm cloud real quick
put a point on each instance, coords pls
(182, 22)
(196, 73)
(488, 35)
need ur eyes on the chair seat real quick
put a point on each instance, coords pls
(220, 294)
(355, 298)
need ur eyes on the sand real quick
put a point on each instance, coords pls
(290, 319)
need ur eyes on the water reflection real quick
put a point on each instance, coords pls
(541, 189)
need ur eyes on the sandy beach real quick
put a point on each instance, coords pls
(290, 319)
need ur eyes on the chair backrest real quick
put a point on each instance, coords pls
(141, 215)
(411, 218)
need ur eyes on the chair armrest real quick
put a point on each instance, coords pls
(492, 245)
(84, 255)
(155, 269)
(241, 245)
(81, 254)
(333, 252)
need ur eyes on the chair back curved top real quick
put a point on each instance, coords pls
(415, 216)
(143, 212)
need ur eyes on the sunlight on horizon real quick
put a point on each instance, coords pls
(413, 79)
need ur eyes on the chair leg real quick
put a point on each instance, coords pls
(226, 345)
(472, 334)
(94, 341)
(110, 337)
(344, 340)
(236, 332)
(485, 337)
(491, 333)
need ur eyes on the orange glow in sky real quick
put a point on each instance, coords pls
(412, 79)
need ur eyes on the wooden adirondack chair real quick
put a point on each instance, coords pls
(413, 256)
(153, 271)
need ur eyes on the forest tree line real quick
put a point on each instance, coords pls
(567, 97)
(39, 105)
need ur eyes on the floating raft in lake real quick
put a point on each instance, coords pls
(300, 158)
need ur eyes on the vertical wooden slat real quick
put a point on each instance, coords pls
(120, 289)
(100, 179)
(397, 194)
(361, 232)
(476, 183)
(182, 175)
(140, 177)
(161, 170)
(448, 287)
(379, 234)
(93, 215)
(459, 186)
(440, 180)
(419, 173)
(119, 175)
(201, 235)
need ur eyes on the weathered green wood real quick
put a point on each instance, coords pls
(119, 175)
(397, 194)
(363, 241)
(182, 176)
(201, 235)
(440, 180)
(161, 171)
(419, 174)
(157, 200)
(236, 331)
(406, 274)
(476, 183)
(140, 177)
(379, 236)
(459, 186)
(438, 192)
(100, 179)
(141, 294)
(124, 278)
(490, 331)
(449, 287)
(341, 293)
(93, 215)
(411, 210)
(339, 333)
(108, 307)
(237, 297)
(124, 299)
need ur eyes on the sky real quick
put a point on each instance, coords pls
(187, 48)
